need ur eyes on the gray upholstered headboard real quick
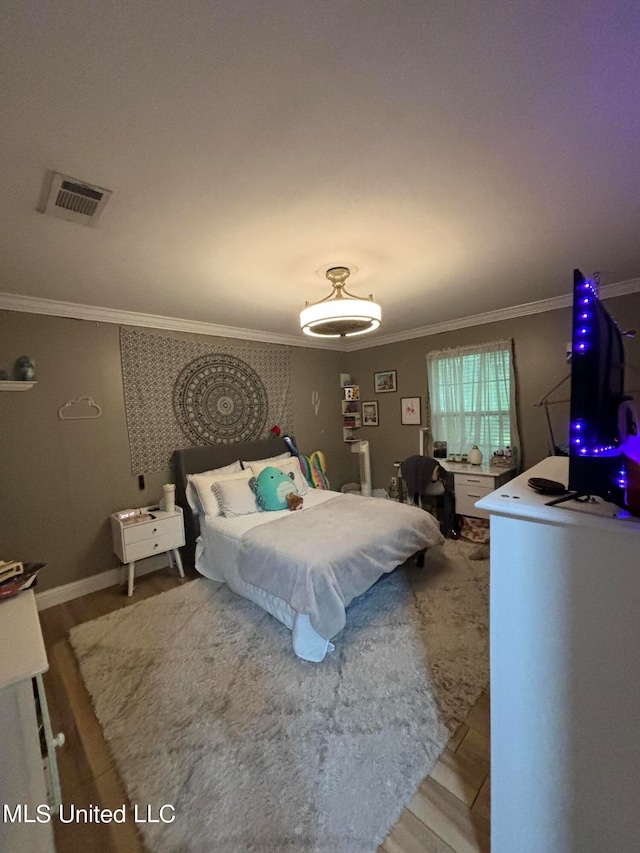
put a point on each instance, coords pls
(192, 460)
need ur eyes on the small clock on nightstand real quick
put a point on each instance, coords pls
(144, 532)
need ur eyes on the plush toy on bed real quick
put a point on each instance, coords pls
(294, 501)
(274, 490)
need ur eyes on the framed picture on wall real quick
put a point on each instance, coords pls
(370, 414)
(385, 381)
(410, 410)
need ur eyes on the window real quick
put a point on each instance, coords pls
(472, 397)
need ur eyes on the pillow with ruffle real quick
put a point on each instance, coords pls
(235, 497)
(200, 495)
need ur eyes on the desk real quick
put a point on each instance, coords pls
(474, 482)
(22, 778)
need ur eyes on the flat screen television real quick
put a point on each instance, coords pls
(597, 391)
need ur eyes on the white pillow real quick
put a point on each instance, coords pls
(235, 497)
(286, 465)
(206, 501)
(231, 468)
(269, 460)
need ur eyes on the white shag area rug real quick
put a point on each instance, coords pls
(205, 707)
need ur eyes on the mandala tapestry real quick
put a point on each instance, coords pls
(218, 399)
(181, 392)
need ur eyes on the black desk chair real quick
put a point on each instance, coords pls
(428, 486)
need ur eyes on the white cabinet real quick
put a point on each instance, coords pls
(23, 780)
(474, 482)
(155, 532)
(565, 682)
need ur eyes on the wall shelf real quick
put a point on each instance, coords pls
(351, 412)
(10, 385)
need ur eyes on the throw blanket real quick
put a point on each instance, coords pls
(320, 559)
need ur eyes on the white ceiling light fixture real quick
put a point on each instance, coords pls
(341, 314)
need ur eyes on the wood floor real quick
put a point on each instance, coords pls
(449, 811)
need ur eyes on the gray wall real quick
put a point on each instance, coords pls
(539, 343)
(62, 479)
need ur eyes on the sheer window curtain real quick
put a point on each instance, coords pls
(472, 397)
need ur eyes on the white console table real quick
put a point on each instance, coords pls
(565, 677)
(23, 782)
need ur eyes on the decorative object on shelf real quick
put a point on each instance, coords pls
(352, 392)
(475, 455)
(341, 314)
(79, 410)
(370, 414)
(410, 409)
(275, 432)
(25, 369)
(385, 381)
(3, 375)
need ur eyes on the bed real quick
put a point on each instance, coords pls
(303, 567)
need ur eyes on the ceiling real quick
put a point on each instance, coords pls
(463, 156)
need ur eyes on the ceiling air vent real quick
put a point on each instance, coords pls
(75, 200)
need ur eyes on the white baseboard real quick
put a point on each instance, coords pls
(75, 589)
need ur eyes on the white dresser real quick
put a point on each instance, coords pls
(23, 780)
(565, 681)
(474, 482)
(154, 532)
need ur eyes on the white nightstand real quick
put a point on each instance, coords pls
(160, 533)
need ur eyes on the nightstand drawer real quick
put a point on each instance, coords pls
(152, 530)
(147, 547)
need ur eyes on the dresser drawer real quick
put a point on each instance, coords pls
(152, 530)
(147, 547)
(467, 495)
(483, 481)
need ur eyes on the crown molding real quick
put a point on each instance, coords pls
(608, 291)
(76, 311)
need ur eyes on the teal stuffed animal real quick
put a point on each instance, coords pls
(271, 488)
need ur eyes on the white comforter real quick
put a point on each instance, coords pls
(218, 551)
(319, 561)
